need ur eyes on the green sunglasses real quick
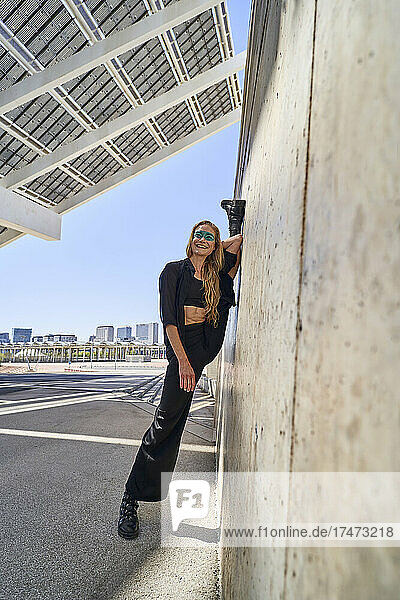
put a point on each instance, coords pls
(207, 235)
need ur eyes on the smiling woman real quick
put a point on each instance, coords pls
(202, 296)
(196, 294)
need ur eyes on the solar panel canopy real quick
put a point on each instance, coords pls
(73, 126)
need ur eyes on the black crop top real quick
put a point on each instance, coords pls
(195, 293)
(174, 282)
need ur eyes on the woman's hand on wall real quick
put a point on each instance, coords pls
(232, 244)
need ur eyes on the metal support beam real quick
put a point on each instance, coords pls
(28, 217)
(101, 51)
(147, 163)
(8, 236)
(27, 60)
(129, 120)
(176, 61)
(142, 165)
(93, 33)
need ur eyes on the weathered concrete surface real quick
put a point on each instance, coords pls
(347, 399)
(309, 378)
(258, 385)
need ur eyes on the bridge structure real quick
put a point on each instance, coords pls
(94, 93)
(79, 352)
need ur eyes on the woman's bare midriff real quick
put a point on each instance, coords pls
(194, 314)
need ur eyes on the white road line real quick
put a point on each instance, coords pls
(111, 378)
(74, 387)
(202, 418)
(40, 406)
(92, 387)
(127, 399)
(200, 405)
(65, 384)
(95, 438)
(57, 396)
(205, 396)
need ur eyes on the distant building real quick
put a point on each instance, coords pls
(124, 334)
(60, 337)
(66, 338)
(92, 339)
(37, 338)
(21, 335)
(4, 338)
(105, 333)
(147, 332)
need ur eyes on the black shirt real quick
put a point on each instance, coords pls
(174, 284)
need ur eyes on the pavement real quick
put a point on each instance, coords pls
(67, 443)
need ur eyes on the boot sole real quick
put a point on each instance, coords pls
(129, 537)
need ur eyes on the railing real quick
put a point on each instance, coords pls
(70, 353)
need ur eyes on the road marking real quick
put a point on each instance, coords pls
(199, 405)
(202, 418)
(57, 396)
(95, 438)
(205, 396)
(40, 406)
(72, 388)
(128, 399)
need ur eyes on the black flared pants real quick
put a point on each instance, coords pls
(158, 451)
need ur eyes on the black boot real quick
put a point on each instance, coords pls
(235, 211)
(128, 523)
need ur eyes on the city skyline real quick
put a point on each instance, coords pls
(67, 333)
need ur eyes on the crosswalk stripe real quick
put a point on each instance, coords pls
(95, 438)
(199, 405)
(41, 398)
(40, 406)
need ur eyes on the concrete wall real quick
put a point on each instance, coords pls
(309, 377)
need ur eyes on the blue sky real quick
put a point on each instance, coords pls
(105, 268)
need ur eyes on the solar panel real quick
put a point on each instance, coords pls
(35, 35)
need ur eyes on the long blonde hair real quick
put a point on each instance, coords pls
(210, 272)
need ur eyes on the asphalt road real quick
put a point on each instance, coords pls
(67, 442)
